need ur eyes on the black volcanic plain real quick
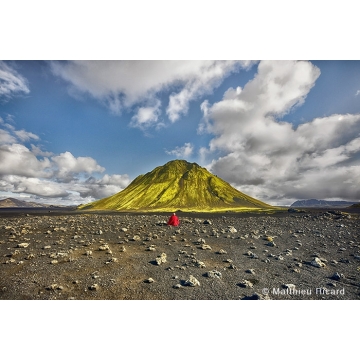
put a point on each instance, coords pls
(79, 255)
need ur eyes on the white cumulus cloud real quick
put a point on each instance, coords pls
(68, 165)
(49, 178)
(31, 185)
(122, 84)
(146, 115)
(182, 151)
(273, 160)
(16, 159)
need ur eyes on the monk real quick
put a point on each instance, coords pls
(174, 220)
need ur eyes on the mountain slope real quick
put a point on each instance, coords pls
(178, 185)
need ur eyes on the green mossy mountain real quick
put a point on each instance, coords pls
(178, 185)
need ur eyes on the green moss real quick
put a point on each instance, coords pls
(178, 185)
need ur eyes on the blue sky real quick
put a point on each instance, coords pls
(75, 131)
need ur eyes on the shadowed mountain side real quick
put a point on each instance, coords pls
(178, 185)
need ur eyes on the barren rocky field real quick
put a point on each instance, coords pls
(314, 254)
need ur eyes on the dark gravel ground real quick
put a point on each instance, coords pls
(62, 255)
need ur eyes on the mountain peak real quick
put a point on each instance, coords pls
(178, 185)
(180, 164)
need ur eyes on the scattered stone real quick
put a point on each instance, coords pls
(251, 255)
(271, 244)
(94, 287)
(112, 260)
(149, 280)
(205, 247)
(232, 230)
(214, 274)
(336, 276)
(104, 247)
(14, 253)
(177, 286)
(160, 259)
(200, 241)
(246, 284)
(207, 222)
(136, 238)
(192, 281)
(250, 271)
(256, 296)
(221, 251)
(199, 264)
(55, 287)
(289, 286)
(317, 263)
(23, 245)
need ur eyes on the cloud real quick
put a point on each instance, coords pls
(67, 165)
(31, 185)
(209, 77)
(357, 93)
(106, 186)
(36, 150)
(182, 152)
(25, 135)
(16, 159)
(11, 82)
(56, 179)
(6, 138)
(146, 116)
(122, 84)
(71, 193)
(272, 160)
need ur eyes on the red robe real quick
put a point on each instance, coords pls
(174, 221)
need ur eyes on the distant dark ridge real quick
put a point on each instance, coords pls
(11, 203)
(15, 203)
(321, 203)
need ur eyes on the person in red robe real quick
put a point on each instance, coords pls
(174, 220)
